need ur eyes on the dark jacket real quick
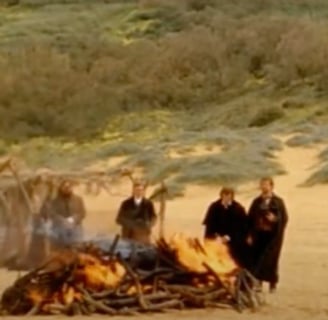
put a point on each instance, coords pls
(136, 220)
(221, 221)
(267, 236)
(230, 221)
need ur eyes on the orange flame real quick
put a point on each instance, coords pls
(91, 273)
(194, 254)
(96, 274)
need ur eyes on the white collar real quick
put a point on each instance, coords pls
(226, 205)
(137, 201)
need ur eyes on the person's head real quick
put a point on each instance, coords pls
(65, 188)
(227, 194)
(266, 185)
(139, 189)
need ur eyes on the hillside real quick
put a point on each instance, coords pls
(153, 82)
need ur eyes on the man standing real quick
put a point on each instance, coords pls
(137, 216)
(226, 218)
(65, 213)
(267, 222)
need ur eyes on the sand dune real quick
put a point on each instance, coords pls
(303, 291)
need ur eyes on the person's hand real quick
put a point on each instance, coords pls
(271, 217)
(69, 222)
(249, 240)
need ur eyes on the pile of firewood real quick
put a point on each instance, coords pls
(186, 274)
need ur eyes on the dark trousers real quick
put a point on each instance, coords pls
(264, 261)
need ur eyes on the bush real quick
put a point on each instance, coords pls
(319, 177)
(303, 140)
(116, 149)
(215, 55)
(266, 116)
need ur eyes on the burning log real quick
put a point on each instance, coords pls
(190, 274)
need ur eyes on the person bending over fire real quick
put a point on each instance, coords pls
(267, 222)
(137, 215)
(226, 219)
(65, 213)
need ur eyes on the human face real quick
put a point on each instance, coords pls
(226, 198)
(66, 189)
(266, 187)
(139, 191)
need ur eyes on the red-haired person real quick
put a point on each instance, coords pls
(226, 218)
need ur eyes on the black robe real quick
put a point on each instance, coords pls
(230, 221)
(136, 220)
(267, 237)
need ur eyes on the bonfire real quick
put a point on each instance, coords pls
(186, 273)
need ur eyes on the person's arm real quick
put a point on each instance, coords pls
(284, 212)
(120, 218)
(240, 227)
(210, 232)
(250, 222)
(152, 214)
(124, 216)
(280, 214)
(252, 211)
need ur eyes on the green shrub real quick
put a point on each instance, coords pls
(319, 177)
(66, 70)
(266, 116)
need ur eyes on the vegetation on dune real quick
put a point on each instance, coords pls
(68, 67)
(161, 74)
(320, 176)
(233, 156)
(245, 155)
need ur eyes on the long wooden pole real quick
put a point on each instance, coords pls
(4, 165)
(162, 210)
(23, 248)
(25, 195)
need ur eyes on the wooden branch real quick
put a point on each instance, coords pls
(25, 195)
(4, 165)
(6, 207)
(128, 173)
(162, 210)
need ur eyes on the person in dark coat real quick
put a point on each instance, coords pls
(137, 216)
(226, 218)
(267, 220)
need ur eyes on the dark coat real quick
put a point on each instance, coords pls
(267, 236)
(61, 207)
(230, 221)
(136, 220)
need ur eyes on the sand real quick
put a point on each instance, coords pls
(303, 289)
